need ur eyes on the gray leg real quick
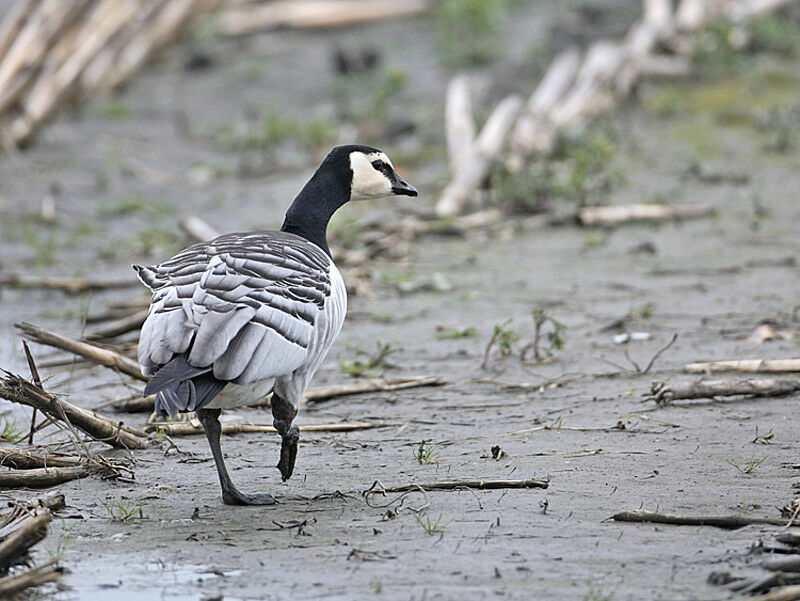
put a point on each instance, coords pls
(283, 414)
(230, 494)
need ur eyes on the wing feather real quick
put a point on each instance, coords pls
(236, 357)
(216, 332)
(245, 305)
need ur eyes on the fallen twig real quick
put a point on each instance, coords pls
(728, 522)
(663, 393)
(787, 564)
(618, 214)
(459, 124)
(21, 459)
(90, 351)
(459, 484)
(195, 427)
(773, 366)
(313, 14)
(481, 158)
(534, 131)
(197, 229)
(18, 390)
(791, 537)
(787, 593)
(312, 395)
(21, 534)
(777, 579)
(577, 88)
(42, 477)
(323, 393)
(68, 285)
(33, 577)
(119, 326)
(655, 357)
(50, 500)
(618, 427)
(20, 529)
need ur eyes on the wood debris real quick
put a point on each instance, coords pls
(767, 366)
(52, 51)
(18, 390)
(68, 285)
(578, 87)
(378, 488)
(194, 427)
(55, 51)
(43, 477)
(611, 215)
(313, 14)
(786, 593)
(22, 527)
(790, 537)
(312, 395)
(479, 160)
(88, 350)
(22, 459)
(664, 393)
(727, 522)
(198, 229)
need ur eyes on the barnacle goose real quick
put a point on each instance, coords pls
(256, 312)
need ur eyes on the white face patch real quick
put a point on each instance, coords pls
(368, 182)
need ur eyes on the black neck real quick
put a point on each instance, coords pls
(313, 208)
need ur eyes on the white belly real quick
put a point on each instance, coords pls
(239, 395)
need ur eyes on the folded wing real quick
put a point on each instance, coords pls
(243, 305)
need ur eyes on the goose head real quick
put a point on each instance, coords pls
(372, 174)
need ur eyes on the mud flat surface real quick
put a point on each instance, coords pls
(712, 281)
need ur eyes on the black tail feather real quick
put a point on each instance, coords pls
(171, 374)
(181, 387)
(206, 387)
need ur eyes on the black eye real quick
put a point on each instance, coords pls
(377, 164)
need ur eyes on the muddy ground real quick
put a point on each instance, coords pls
(123, 172)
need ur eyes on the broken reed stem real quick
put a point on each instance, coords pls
(482, 156)
(776, 579)
(312, 395)
(578, 88)
(728, 522)
(611, 215)
(33, 577)
(785, 564)
(534, 131)
(120, 326)
(42, 477)
(36, 380)
(786, 593)
(323, 393)
(18, 390)
(21, 459)
(194, 427)
(13, 21)
(198, 229)
(68, 285)
(792, 537)
(663, 393)
(87, 350)
(50, 500)
(29, 531)
(459, 484)
(773, 366)
(313, 14)
(459, 124)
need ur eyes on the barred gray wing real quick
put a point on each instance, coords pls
(244, 304)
